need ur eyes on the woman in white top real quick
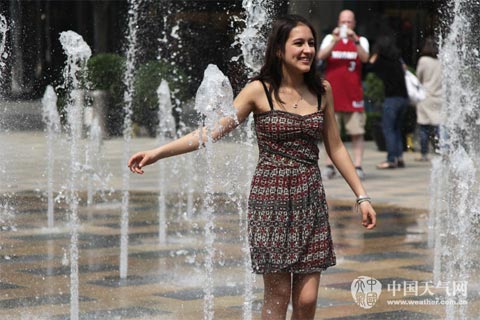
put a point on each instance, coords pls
(429, 72)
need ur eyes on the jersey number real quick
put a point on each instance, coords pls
(352, 66)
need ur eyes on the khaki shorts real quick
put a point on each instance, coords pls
(354, 122)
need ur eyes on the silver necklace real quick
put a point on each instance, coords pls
(295, 105)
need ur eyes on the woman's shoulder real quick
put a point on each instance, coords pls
(252, 91)
(255, 86)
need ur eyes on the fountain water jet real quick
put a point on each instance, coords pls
(455, 213)
(92, 160)
(249, 276)
(170, 46)
(3, 41)
(253, 43)
(253, 39)
(214, 100)
(78, 52)
(166, 128)
(52, 121)
(6, 211)
(127, 132)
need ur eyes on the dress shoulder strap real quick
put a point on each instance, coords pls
(319, 99)
(268, 95)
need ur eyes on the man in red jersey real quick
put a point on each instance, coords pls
(344, 52)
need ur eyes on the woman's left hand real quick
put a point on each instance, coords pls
(369, 216)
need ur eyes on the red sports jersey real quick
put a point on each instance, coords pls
(344, 72)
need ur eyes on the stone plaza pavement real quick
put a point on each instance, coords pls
(166, 280)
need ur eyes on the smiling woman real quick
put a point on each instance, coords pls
(297, 59)
(288, 225)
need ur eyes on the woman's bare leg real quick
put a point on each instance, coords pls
(304, 295)
(277, 291)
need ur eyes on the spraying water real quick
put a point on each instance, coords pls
(253, 43)
(96, 171)
(52, 122)
(78, 52)
(253, 38)
(249, 277)
(92, 160)
(127, 131)
(214, 100)
(3, 41)
(170, 50)
(6, 210)
(455, 205)
(166, 127)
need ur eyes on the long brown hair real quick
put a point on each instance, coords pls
(271, 70)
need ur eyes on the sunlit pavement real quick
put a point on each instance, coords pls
(167, 281)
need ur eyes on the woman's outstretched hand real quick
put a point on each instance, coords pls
(140, 160)
(369, 217)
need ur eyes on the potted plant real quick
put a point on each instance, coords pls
(105, 78)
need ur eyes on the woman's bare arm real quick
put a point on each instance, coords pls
(341, 158)
(244, 103)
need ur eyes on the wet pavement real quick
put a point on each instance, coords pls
(166, 280)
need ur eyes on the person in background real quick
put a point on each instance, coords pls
(344, 51)
(429, 72)
(387, 64)
(288, 228)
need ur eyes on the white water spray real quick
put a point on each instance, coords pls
(52, 122)
(3, 41)
(167, 51)
(455, 213)
(5, 210)
(249, 277)
(214, 100)
(78, 52)
(166, 128)
(253, 43)
(253, 39)
(127, 131)
(96, 177)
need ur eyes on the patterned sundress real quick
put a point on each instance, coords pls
(288, 226)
